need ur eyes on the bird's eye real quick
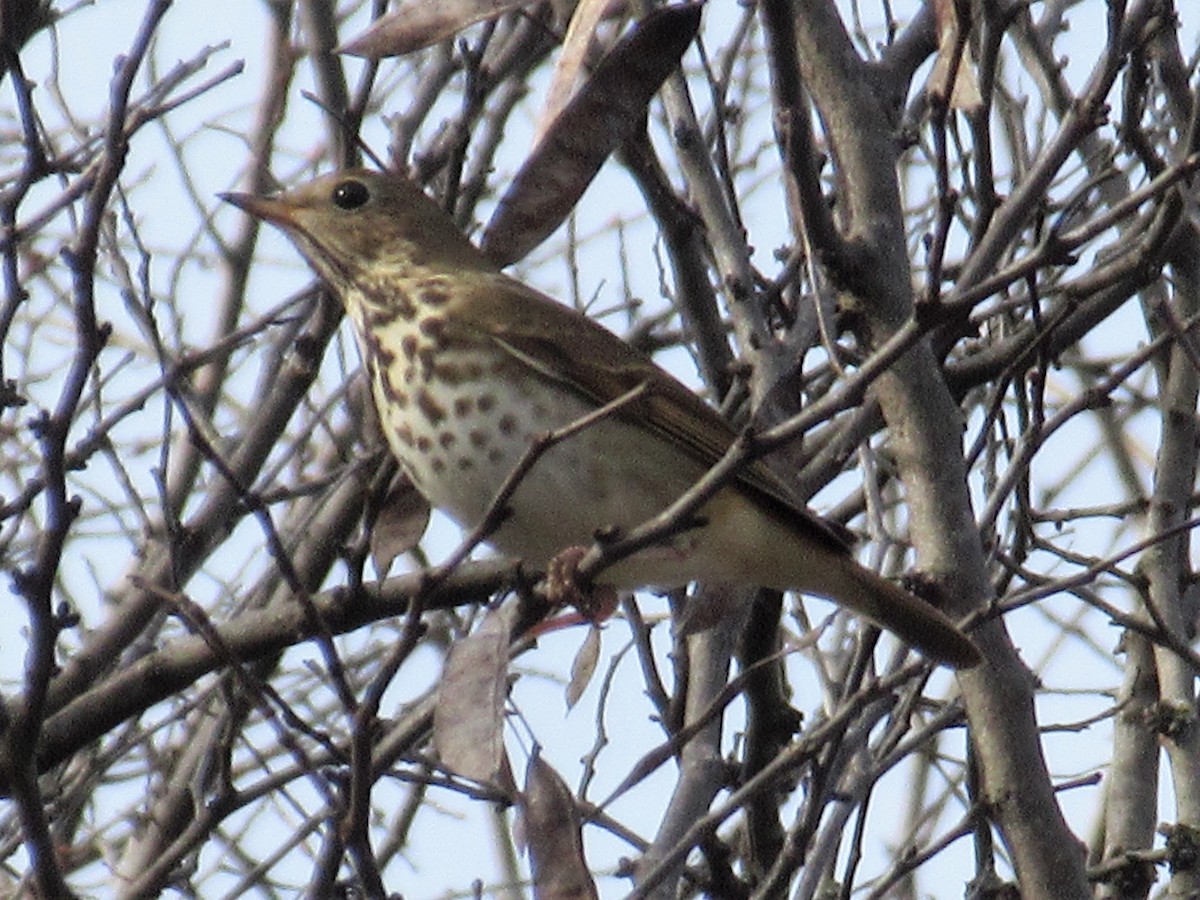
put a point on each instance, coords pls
(350, 194)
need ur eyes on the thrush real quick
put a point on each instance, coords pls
(469, 367)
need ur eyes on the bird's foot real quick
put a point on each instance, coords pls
(593, 602)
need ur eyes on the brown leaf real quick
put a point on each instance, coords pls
(553, 834)
(468, 721)
(708, 607)
(644, 768)
(607, 112)
(964, 91)
(583, 667)
(571, 59)
(403, 517)
(416, 24)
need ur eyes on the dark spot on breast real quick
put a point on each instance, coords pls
(430, 408)
(408, 344)
(424, 444)
(405, 434)
(387, 386)
(507, 424)
(385, 303)
(377, 353)
(465, 463)
(447, 439)
(435, 296)
(478, 438)
(426, 356)
(380, 318)
(487, 402)
(449, 372)
(462, 406)
(433, 327)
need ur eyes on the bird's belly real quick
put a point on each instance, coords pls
(461, 444)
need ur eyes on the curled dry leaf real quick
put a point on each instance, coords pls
(468, 720)
(553, 834)
(708, 607)
(960, 82)
(403, 518)
(416, 24)
(571, 58)
(608, 111)
(583, 666)
(595, 603)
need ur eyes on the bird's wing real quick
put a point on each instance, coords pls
(543, 335)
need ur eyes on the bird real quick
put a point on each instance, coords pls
(468, 367)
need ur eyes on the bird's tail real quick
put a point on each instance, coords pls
(909, 617)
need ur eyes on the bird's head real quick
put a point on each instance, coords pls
(356, 221)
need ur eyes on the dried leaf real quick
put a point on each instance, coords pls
(416, 24)
(553, 834)
(964, 91)
(608, 110)
(595, 603)
(468, 721)
(583, 667)
(571, 58)
(645, 767)
(403, 517)
(708, 607)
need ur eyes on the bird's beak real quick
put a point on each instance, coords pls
(269, 209)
